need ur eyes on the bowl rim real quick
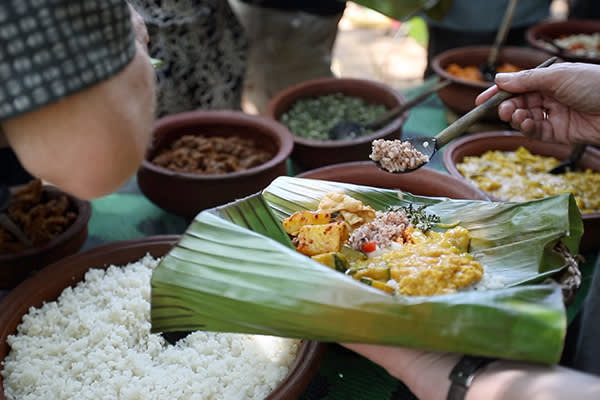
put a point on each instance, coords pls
(452, 170)
(531, 36)
(84, 213)
(392, 126)
(325, 170)
(300, 373)
(440, 71)
(224, 117)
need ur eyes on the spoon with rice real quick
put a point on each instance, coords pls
(400, 156)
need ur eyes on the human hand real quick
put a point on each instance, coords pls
(139, 28)
(559, 103)
(417, 369)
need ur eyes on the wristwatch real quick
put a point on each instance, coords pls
(462, 375)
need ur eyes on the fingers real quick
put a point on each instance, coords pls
(486, 94)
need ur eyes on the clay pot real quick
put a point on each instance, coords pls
(49, 283)
(16, 267)
(423, 181)
(309, 153)
(460, 95)
(477, 144)
(186, 194)
(556, 29)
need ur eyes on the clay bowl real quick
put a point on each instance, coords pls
(479, 143)
(423, 181)
(48, 284)
(558, 29)
(185, 193)
(460, 95)
(16, 267)
(309, 153)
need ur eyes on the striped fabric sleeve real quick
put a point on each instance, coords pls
(50, 49)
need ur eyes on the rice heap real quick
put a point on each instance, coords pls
(396, 155)
(94, 342)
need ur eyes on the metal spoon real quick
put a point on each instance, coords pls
(430, 145)
(5, 221)
(488, 70)
(571, 162)
(350, 129)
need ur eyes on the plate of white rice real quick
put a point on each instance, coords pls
(80, 329)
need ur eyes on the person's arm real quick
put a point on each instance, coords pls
(426, 375)
(558, 104)
(90, 142)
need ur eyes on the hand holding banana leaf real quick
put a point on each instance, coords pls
(236, 270)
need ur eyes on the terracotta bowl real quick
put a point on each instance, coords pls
(186, 194)
(310, 153)
(479, 143)
(556, 29)
(49, 283)
(423, 181)
(460, 95)
(16, 267)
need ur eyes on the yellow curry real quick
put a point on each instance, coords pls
(521, 176)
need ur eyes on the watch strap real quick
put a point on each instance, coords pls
(462, 375)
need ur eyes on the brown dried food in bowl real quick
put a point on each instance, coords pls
(212, 154)
(40, 218)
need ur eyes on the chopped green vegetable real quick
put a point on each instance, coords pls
(313, 118)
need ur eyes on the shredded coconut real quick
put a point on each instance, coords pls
(385, 228)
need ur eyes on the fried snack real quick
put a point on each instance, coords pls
(40, 218)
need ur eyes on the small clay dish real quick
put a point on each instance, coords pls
(49, 283)
(460, 95)
(310, 153)
(16, 267)
(479, 143)
(423, 181)
(186, 193)
(539, 34)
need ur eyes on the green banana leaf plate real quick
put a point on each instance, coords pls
(236, 270)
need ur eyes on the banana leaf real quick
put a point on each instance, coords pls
(235, 270)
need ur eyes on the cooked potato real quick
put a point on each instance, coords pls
(318, 239)
(294, 222)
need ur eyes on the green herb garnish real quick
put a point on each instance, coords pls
(418, 217)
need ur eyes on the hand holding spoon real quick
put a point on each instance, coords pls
(399, 156)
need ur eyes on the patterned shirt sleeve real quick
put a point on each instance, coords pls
(50, 49)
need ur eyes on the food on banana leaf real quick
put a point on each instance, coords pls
(385, 249)
(235, 269)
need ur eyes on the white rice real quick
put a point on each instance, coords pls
(94, 342)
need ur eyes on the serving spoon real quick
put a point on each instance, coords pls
(428, 146)
(350, 129)
(5, 221)
(488, 69)
(571, 162)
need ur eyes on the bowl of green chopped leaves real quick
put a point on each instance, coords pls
(311, 110)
